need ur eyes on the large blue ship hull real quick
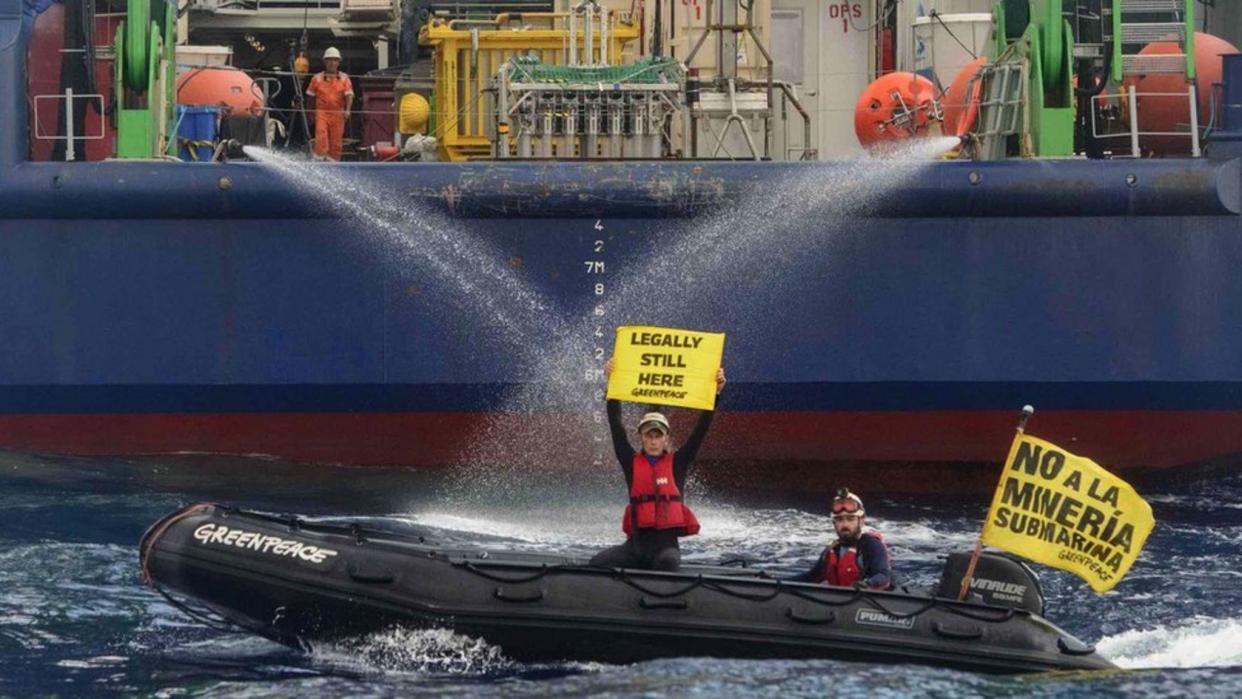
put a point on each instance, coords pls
(149, 308)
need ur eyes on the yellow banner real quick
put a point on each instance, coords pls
(1066, 511)
(666, 366)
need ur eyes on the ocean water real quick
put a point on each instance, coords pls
(75, 619)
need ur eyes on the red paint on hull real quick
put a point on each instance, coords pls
(1118, 440)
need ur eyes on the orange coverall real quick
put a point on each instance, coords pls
(330, 93)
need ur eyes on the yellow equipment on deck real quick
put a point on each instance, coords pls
(469, 52)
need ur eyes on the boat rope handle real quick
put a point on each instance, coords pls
(533, 596)
(968, 633)
(503, 579)
(625, 578)
(663, 603)
(853, 597)
(720, 587)
(1001, 617)
(807, 619)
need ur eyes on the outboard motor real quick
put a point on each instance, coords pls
(999, 581)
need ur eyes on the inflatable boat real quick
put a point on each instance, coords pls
(300, 583)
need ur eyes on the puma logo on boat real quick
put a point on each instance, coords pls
(264, 543)
(872, 617)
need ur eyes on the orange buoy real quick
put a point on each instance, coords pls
(960, 108)
(220, 87)
(1171, 113)
(893, 108)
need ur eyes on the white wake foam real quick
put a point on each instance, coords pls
(423, 651)
(1201, 642)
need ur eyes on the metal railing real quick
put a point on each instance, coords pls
(262, 5)
(71, 136)
(1132, 110)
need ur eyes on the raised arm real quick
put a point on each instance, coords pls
(686, 454)
(690, 449)
(620, 440)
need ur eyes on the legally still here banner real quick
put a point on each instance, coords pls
(666, 366)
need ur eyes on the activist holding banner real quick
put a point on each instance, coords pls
(656, 478)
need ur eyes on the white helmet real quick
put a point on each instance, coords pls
(331, 53)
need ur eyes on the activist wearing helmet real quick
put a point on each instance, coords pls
(858, 557)
(848, 516)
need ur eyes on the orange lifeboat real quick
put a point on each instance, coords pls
(220, 87)
(896, 107)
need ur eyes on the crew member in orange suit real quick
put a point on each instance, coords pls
(333, 93)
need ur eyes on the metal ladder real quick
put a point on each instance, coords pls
(1137, 23)
(1002, 109)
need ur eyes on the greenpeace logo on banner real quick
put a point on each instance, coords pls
(872, 617)
(263, 543)
(1012, 592)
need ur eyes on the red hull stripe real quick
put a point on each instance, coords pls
(1116, 439)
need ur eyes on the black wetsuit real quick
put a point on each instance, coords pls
(654, 549)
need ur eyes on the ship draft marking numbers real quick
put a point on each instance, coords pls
(595, 269)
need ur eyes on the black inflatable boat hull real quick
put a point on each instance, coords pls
(298, 583)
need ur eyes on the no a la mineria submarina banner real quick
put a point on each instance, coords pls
(666, 366)
(1066, 511)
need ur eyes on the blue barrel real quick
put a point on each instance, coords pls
(1233, 92)
(196, 132)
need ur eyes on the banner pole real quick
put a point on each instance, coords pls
(1027, 412)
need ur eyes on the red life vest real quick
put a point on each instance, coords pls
(655, 501)
(845, 570)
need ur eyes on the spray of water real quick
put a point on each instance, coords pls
(507, 464)
(765, 233)
(465, 263)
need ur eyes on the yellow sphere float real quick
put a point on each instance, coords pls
(415, 112)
